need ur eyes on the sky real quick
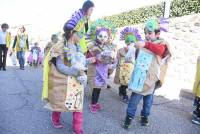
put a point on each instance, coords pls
(48, 16)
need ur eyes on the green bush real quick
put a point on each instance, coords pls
(178, 8)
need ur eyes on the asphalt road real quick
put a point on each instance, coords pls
(22, 112)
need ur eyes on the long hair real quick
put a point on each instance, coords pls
(86, 5)
(68, 32)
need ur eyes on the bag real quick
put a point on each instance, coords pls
(13, 59)
(141, 69)
(74, 95)
(125, 72)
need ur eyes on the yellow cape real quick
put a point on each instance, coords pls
(45, 76)
(196, 87)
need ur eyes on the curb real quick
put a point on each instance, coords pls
(186, 93)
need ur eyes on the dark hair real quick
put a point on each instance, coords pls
(4, 25)
(157, 31)
(68, 32)
(22, 27)
(86, 5)
(54, 36)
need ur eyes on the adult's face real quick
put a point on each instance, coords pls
(4, 29)
(21, 29)
(89, 12)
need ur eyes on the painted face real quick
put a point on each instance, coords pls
(102, 37)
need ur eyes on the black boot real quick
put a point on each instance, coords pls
(120, 91)
(144, 121)
(127, 122)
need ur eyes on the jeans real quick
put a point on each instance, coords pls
(134, 101)
(3, 55)
(21, 58)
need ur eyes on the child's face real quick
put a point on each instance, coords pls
(150, 36)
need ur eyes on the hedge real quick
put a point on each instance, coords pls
(178, 8)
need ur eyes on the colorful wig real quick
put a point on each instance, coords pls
(157, 24)
(130, 35)
(101, 25)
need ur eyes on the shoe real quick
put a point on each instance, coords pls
(144, 121)
(4, 69)
(93, 108)
(196, 121)
(125, 99)
(22, 68)
(195, 114)
(108, 86)
(78, 133)
(120, 94)
(99, 106)
(127, 122)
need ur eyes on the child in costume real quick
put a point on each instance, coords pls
(64, 78)
(126, 60)
(146, 74)
(35, 56)
(196, 91)
(101, 34)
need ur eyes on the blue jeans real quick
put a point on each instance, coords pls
(21, 58)
(134, 101)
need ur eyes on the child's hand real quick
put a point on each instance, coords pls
(81, 72)
(10, 54)
(91, 60)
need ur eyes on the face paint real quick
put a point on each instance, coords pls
(102, 36)
(130, 39)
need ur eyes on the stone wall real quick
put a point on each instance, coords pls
(184, 40)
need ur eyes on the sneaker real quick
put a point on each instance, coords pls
(56, 124)
(195, 114)
(108, 86)
(99, 106)
(196, 121)
(125, 99)
(127, 122)
(22, 68)
(144, 121)
(93, 108)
